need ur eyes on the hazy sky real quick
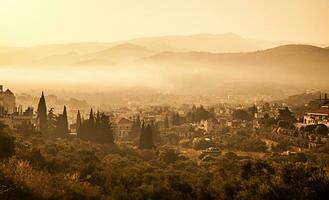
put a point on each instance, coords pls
(31, 22)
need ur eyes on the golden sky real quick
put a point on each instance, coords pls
(32, 22)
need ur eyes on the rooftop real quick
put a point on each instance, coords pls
(324, 110)
(124, 121)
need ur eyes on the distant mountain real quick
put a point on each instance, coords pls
(118, 54)
(282, 54)
(302, 63)
(200, 42)
(219, 43)
(58, 59)
(44, 54)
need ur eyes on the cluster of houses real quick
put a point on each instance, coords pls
(163, 116)
(320, 114)
(13, 115)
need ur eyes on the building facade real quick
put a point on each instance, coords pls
(7, 102)
(122, 128)
(319, 116)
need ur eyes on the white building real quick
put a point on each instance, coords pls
(122, 128)
(7, 101)
(319, 116)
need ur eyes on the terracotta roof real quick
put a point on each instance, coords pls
(124, 121)
(322, 110)
(8, 92)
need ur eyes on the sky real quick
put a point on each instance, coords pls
(34, 22)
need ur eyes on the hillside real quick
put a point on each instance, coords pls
(219, 43)
(302, 62)
(201, 42)
(118, 54)
(283, 56)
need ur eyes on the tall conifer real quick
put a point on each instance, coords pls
(42, 115)
(79, 121)
(91, 118)
(65, 121)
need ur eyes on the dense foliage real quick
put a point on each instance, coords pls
(96, 129)
(146, 137)
(70, 168)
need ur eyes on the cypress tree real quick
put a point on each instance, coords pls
(98, 120)
(96, 129)
(52, 121)
(142, 137)
(105, 130)
(65, 121)
(149, 143)
(136, 128)
(91, 119)
(177, 119)
(174, 119)
(79, 121)
(146, 138)
(62, 128)
(42, 115)
(166, 122)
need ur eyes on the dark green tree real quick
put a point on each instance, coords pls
(91, 118)
(62, 129)
(166, 122)
(97, 129)
(142, 136)
(321, 129)
(42, 115)
(79, 121)
(146, 138)
(241, 115)
(7, 145)
(177, 119)
(199, 113)
(135, 129)
(252, 110)
(52, 122)
(104, 130)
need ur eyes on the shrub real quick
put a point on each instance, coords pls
(7, 145)
(185, 143)
(202, 143)
(321, 129)
(169, 155)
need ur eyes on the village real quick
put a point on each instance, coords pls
(187, 125)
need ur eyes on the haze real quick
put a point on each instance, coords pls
(33, 22)
(178, 47)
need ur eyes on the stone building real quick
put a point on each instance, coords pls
(7, 101)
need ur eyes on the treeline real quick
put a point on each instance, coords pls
(49, 123)
(145, 133)
(97, 128)
(199, 113)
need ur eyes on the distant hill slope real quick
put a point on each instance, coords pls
(293, 54)
(218, 43)
(200, 42)
(117, 54)
(305, 62)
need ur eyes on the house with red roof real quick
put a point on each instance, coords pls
(122, 128)
(318, 116)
